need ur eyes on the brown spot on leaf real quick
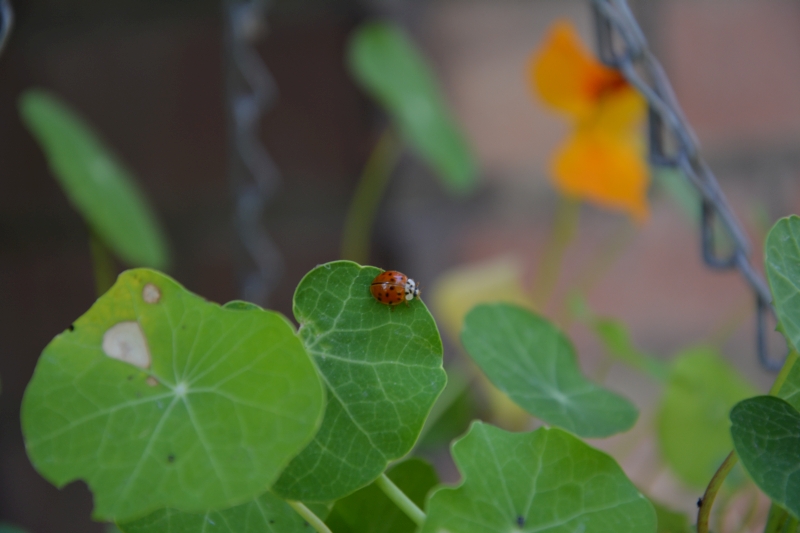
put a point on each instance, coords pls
(126, 342)
(151, 294)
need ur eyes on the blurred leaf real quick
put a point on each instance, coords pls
(545, 481)
(458, 290)
(766, 435)
(99, 187)
(671, 521)
(452, 412)
(528, 358)
(265, 514)
(783, 272)
(617, 341)
(5, 527)
(389, 67)
(159, 398)
(693, 416)
(383, 371)
(369, 510)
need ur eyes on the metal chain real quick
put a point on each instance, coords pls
(672, 143)
(251, 90)
(6, 22)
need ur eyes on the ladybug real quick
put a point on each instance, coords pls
(393, 288)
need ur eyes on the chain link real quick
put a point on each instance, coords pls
(672, 143)
(251, 91)
(6, 22)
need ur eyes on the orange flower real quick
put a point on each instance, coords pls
(603, 160)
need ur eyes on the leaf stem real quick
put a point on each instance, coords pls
(105, 270)
(367, 197)
(312, 519)
(704, 513)
(400, 499)
(791, 358)
(563, 231)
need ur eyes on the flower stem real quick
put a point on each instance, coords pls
(400, 499)
(791, 358)
(564, 230)
(312, 519)
(367, 197)
(103, 263)
(704, 513)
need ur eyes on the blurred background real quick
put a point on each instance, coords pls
(151, 77)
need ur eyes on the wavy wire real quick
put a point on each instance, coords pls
(251, 91)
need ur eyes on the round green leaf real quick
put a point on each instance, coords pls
(391, 69)
(265, 514)
(382, 367)
(369, 510)
(766, 435)
(693, 427)
(103, 191)
(783, 272)
(158, 398)
(529, 359)
(546, 481)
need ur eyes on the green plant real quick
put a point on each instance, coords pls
(183, 415)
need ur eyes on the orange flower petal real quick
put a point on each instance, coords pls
(566, 76)
(621, 111)
(604, 169)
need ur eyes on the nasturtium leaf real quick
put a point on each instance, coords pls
(265, 514)
(693, 427)
(382, 367)
(369, 510)
(103, 191)
(783, 273)
(546, 481)
(529, 359)
(766, 435)
(158, 398)
(388, 66)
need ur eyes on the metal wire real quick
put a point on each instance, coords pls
(6, 22)
(251, 91)
(672, 143)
